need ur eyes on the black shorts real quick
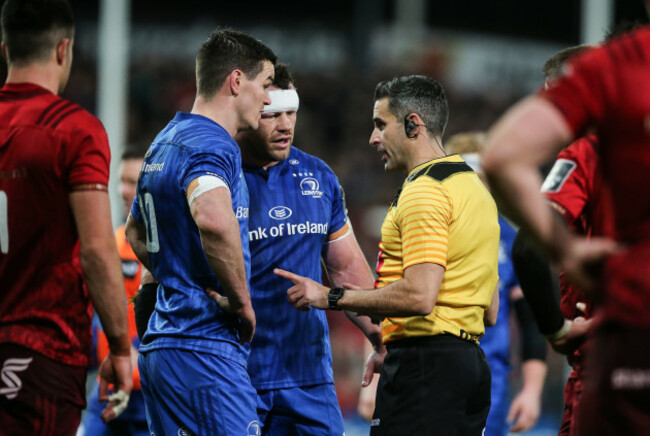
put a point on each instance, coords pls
(616, 398)
(39, 396)
(432, 385)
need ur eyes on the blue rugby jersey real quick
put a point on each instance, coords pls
(496, 341)
(294, 206)
(185, 317)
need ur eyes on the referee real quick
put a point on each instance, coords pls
(437, 271)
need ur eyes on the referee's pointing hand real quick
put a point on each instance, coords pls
(305, 292)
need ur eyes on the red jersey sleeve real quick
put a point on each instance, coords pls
(89, 153)
(569, 184)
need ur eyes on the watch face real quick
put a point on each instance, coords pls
(334, 296)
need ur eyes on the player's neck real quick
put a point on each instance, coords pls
(41, 74)
(420, 158)
(221, 114)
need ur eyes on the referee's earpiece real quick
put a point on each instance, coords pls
(410, 126)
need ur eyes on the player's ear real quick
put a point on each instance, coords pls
(63, 49)
(234, 80)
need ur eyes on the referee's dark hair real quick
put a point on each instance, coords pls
(416, 94)
(32, 28)
(227, 50)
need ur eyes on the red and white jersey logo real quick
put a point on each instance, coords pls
(10, 378)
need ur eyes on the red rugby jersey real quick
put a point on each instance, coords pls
(47, 145)
(607, 90)
(574, 185)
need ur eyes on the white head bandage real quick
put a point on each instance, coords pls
(473, 160)
(282, 100)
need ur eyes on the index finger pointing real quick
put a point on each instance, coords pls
(295, 278)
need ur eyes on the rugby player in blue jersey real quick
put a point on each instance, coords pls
(297, 218)
(188, 226)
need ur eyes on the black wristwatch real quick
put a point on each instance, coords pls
(333, 297)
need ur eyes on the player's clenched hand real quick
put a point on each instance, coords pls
(118, 371)
(305, 292)
(576, 334)
(247, 323)
(246, 315)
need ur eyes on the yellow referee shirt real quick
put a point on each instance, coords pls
(443, 215)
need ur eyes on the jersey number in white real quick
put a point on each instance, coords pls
(149, 215)
(4, 224)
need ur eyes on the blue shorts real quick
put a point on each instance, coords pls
(310, 410)
(500, 404)
(192, 393)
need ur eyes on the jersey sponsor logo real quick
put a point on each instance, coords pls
(294, 161)
(130, 268)
(558, 175)
(184, 431)
(288, 229)
(310, 186)
(253, 429)
(631, 378)
(241, 212)
(154, 167)
(10, 378)
(280, 213)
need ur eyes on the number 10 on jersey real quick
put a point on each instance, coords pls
(149, 216)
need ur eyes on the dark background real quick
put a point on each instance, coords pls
(549, 20)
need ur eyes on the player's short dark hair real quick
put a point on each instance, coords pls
(227, 50)
(416, 94)
(283, 78)
(32, 28)
(554, 66)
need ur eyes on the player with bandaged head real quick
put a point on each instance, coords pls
(297, 219)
